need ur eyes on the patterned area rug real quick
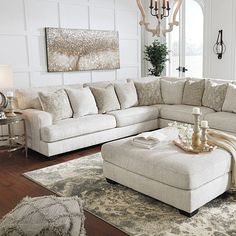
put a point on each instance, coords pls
(130, 211)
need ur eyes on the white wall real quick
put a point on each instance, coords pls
(220, 15)
(22, 37)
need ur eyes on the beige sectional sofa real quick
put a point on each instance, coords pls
(50, 137)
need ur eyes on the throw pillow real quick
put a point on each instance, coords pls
(214, 95)
(57, 104)
(106, 98)
(172, 91)
(149, 93)
(127, 95)
(47, 215)
(82, 102)
(193, 92)
(230, 99)
(28, 99)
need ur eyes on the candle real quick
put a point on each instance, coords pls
(156, 5)
(196, 110)
(151, 4)
(10, 94)
(168, 6)
(164, 4)
(204, 124)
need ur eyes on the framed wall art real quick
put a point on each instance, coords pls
(81, 50)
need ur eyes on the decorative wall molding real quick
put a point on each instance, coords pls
(25, 32)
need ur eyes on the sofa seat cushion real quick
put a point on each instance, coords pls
(181, 113)
(224, 121)
(168, 164)
(135, 115)
(69, 128)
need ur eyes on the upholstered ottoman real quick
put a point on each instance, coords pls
(185, 181)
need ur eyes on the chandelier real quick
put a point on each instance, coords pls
(160, 9)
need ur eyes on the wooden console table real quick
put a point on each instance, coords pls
(10, 140)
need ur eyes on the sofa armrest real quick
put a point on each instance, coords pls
(35, 120)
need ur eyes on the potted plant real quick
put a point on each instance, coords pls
(156, 54)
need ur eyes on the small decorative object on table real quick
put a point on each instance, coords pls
(199, 136)
(10, 111)
(196, 141)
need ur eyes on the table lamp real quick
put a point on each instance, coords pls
(6, 82)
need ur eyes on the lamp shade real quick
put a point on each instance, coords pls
(6, 77)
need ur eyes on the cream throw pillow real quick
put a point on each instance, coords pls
(28, 99)
(149, 93)
(57, 104)
(214, 95)
(106, 98)
(82, 102)
(193, 91)
(230, 99)
(127, 95)
(172, 91)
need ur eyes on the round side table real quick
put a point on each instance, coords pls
(10, 140)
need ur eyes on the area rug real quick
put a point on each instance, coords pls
(130, 211)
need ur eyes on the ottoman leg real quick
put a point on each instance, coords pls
(111, 181)
(187, 213)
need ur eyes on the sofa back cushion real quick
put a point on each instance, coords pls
(82, 102)
(28, 98)
(214, 95)
(149, 93)
(106, 98)
(230, 99)
(193, 92)
(56, 103)
(172, 91)
(103, 84)
(127, 95)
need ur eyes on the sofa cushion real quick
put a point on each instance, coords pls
(69, 128)
(224, 121)
(193, 91)
(230, 99)
(127, 94)
(82, 102)
(181, 113)
(135, 115)
(149, 93)
(57, 104)
(172, 91)
(28, 98)
(214, 95)
(106, 98)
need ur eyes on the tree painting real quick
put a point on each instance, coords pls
(76, 50)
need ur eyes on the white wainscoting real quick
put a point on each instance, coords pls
(22, 38)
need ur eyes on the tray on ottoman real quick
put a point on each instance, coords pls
(184, 180)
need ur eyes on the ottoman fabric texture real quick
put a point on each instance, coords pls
(168, 164)
(47, 215)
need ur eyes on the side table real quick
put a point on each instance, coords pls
(10, 141)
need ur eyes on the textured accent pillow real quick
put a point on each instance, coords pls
(106, 98)
(47, 215)
(57, 104)
(214, 95)
(149, 93)
(82, 102)
(172, 91)
(230, 99)
(127, 95)
(193, 92)
(28, 99)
